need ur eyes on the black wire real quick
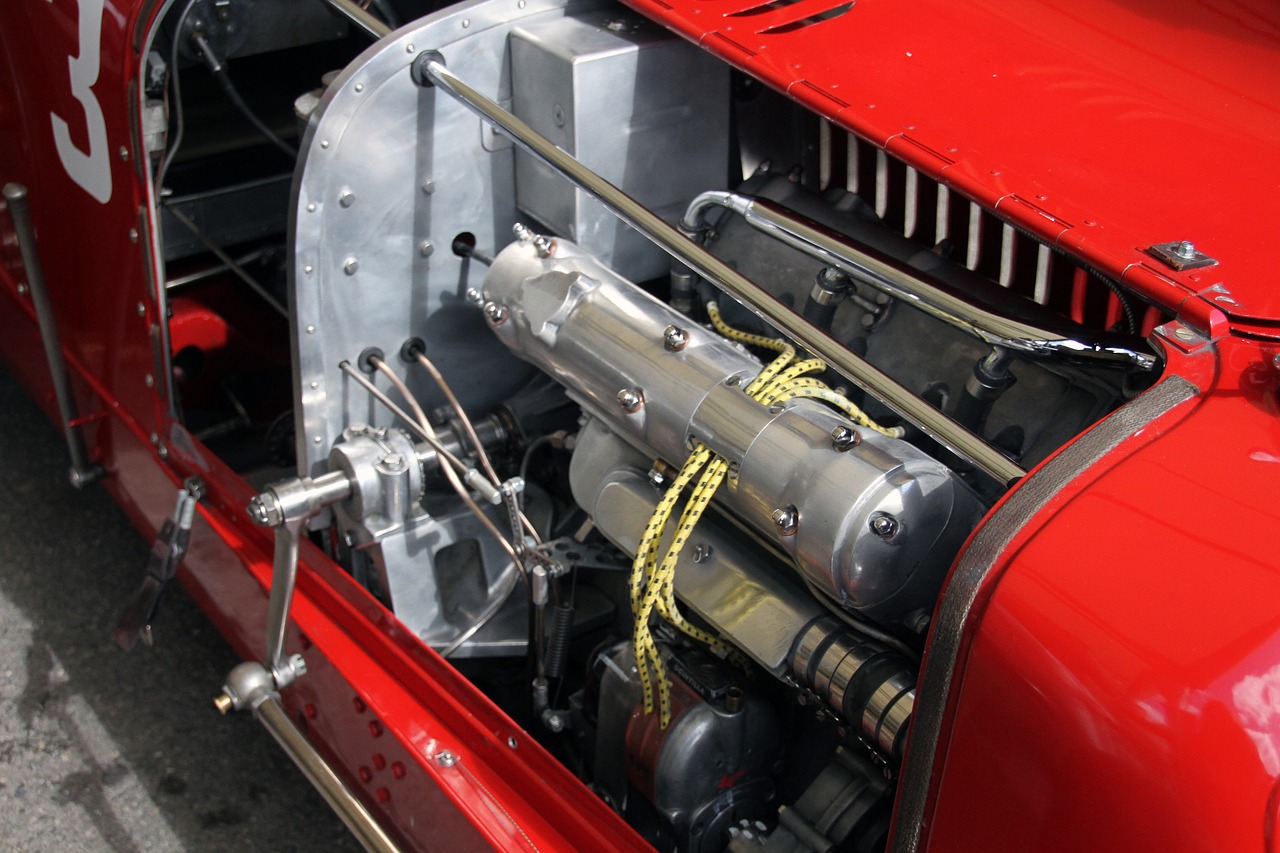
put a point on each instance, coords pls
(233, 94)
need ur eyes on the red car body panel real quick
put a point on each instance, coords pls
(1103, 127)
(1120, 676)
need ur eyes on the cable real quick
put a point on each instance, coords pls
(471, 435)
(179, 116)
(228, 87)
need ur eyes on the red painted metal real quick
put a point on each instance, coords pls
(1121, 688)
(1123, 124)
(1119, 682)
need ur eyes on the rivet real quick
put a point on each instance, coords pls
(317, 439)
(397, 770)
(375, 728)
(366, 775)
(379, 761)
(314, 385)
(155, 438)
(133, 235)
(408, 48)
(466, 22)
(22, 287)
(149, 380)
(425, 248)
(428, 187)
(350, 265)
(311, 208)
(124, 153)
(347, 198)
(511, 742)
(311, 330)
(308, 269)
(359, 87)
(521, 4)
(324, 143)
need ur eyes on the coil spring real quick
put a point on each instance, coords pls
(558, 633)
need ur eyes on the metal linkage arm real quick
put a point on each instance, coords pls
(429, 70)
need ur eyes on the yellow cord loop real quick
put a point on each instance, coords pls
(652, 582)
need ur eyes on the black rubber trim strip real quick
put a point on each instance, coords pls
(971, 576)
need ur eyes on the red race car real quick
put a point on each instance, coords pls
(701, 424)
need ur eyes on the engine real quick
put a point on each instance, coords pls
(662, 407)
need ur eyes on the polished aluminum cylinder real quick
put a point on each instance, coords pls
(916, 288)
(83, 471)
(430, 70)
(874, 523)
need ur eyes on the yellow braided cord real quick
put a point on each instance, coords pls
(842, 403)
(646, 650)
(713, 311)
(770, 392)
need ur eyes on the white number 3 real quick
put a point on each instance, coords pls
(91, 170)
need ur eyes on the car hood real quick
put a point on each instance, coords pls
(1103, 126)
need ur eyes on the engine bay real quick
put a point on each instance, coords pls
(655, 403)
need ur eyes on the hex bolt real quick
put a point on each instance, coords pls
(1185, 249)
(544, 246)
(674, 338)
(521, 232)
(631, 399)
(393, 462)
(350, 266)
(845, 438)
(884, 526)
(474, 296)
(446, 759)
(496, 313)
(786, 519)
(702, 552)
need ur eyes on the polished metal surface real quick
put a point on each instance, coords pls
(578, 81)
(919, 289)
(723, 577)
(358, 15)
(975, 572)
(83, 472)
(935, 423)
(596, 332)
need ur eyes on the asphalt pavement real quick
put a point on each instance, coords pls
(102, 750)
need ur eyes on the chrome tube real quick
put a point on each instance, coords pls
(914, 287)
(83, 471)
(361, 18)
(429, 70)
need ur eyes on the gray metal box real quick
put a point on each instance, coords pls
(644, 109)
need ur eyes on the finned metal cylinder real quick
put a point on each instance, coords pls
(871, 685)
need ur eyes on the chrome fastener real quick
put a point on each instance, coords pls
(496, 313)
(786, 519)
(674, 338)
(885, 526)
(845, 438)
(631, 399)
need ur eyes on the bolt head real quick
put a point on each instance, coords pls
(544, 246)
(496, 314)
(845, 438)
(674, 338)
(1185, 249)
(630, 399)
(350, 266)
(885, 526)
(786, 519)
(522, 232)
(393, 461)
(347, 198)
(446, 759)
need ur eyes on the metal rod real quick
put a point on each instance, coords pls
(429, 69)
(284, 575)
(353, 813)
(83, 471)
(360, 17)
(1029, 337)
(230, 262)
